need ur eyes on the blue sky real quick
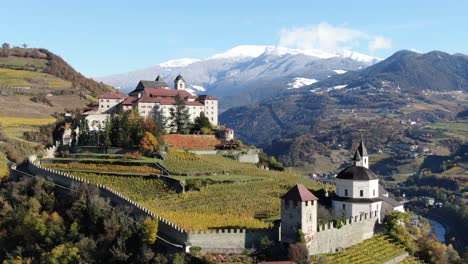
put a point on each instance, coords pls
(104, 37)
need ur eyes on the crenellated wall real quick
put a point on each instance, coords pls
(222, 240)
(232, 240)
(168, 230)
(327, 238)
(355, 229)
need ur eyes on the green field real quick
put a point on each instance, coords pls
(451, 128)
(21, 78)
(19, 62)
(255, 193)
(377, 249)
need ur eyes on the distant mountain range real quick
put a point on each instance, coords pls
(248, 74)
(406, 71)
(406, 85)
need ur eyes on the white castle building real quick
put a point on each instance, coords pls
(357, 188)
(358, 202)
(151, 98)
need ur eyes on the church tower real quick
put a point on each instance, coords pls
(357, 187)
(299, 212)
(179, 83)
(364, 156)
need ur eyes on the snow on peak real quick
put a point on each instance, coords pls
(358, 56)
(178, 63)
(193, 89)
(242, 51)
(340, 71)
(299, 82)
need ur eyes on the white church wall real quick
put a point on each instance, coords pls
(370, 188)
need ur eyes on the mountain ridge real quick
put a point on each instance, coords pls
(249, 73)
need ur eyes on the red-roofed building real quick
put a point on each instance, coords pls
(109, 102)
(155, 97)
(299, 212)
(151, 98)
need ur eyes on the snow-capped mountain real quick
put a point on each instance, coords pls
(247, 73)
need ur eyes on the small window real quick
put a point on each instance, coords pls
(107, 100)
(361, 192)
(344, 206)
(373, 192)
(107, 106)
(306, 203)
(345, 192)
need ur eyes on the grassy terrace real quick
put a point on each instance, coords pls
(377, 249)
(223, 205)
(20, 78)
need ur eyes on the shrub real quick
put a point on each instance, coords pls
(133, 155)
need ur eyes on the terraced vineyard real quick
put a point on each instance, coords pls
(223, 205)
(102, 168)
(377, 249)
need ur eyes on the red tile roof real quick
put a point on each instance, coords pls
(129, 100)
(155, 92)
(113, 96)
(299, 193)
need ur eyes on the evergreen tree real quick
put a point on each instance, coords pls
(83, 138)
(179, 120)
(202, 123)
(107, 135)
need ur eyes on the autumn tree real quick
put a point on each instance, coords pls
(150, 231)
(179, 120)
(149, 144)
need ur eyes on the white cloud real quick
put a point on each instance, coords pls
(329, 38)
(379, 42)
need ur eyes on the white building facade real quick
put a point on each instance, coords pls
(156, 99)
(357, 188)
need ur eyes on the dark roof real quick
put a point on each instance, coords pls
(390, 201)
(179, 77)
(159, 79)
(357, 200)
(356, 173)
(206, 97)
(299, 193)
(142, 85)
(362, 149)
(154, 84)
(357, 156)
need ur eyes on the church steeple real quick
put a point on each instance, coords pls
(362, 151)
(357, 160)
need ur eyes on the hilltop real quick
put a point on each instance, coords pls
(36, 83)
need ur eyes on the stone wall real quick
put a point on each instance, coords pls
(223, 240)
(231, 240)
(170, 232)
(328, 238)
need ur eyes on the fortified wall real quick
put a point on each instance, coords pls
(231, 240)
(217, 240)
(355, 229)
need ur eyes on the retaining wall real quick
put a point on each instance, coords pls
(231, 240)
(170, 231)
(356, 229)
(223, 240)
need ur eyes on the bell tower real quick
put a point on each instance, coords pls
(179, 83)
(299, 212)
